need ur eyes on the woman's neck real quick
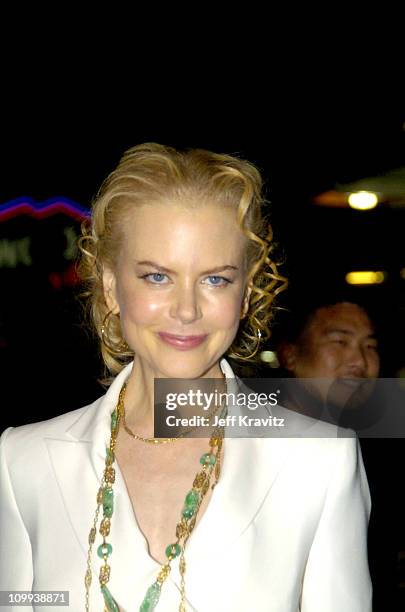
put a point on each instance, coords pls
(139, 396)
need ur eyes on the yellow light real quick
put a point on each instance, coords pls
(363, 200)
(402, 273)
(365, 278)
(270, 357)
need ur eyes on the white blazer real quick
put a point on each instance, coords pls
(285, 530)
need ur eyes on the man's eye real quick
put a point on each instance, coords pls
(217, 281)
(154, 277)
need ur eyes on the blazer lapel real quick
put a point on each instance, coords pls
(78, 460)
(249, 470)
(250, 467)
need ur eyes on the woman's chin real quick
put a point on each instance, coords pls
(182, 368)
(180, 372)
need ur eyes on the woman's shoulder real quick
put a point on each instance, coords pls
(321, 450)
(19, 440)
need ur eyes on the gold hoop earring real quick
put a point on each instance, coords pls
(122, 347)
(104, 325)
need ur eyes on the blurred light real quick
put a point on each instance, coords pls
(402, 273)
(365, 278)
(67, 278)
(270, 357)
(363, 200)
(15, 252)
(331, 198)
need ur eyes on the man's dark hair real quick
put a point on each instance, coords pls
(294, 320)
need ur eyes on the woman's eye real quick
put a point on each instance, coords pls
(155, 277)
(217, 281)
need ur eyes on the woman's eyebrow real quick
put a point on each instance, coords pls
(164, 269)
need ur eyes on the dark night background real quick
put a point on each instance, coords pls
(49, 364)
(69, 152)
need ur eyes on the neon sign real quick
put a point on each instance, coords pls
(41, 210)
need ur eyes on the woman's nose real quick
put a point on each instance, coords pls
(186, 304)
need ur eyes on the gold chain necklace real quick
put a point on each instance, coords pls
(210, 464)
(148, 440)
(129, 431)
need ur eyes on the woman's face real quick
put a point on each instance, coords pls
(179, 287)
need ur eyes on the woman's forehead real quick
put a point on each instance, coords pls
(179, 227)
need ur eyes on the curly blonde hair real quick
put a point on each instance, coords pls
(155, 173)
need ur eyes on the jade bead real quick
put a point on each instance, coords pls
(110, 603)
(173, 550)
(188, 512)
(207, 459)
(104, 550)
(192, 499)
(151, 598)
(108, 502)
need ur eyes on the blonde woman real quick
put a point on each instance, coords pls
(179, 274)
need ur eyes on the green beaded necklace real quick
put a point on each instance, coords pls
(211, 464)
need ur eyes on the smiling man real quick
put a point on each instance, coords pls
(334, 348)
(336, 341)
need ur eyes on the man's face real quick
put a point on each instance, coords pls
(338, 342)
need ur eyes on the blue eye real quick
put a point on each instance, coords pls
(218, 281)
(154, 277)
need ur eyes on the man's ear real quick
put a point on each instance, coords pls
(246, 300)
(287, 356)
(110, 290)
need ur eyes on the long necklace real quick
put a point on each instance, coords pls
(210, 464)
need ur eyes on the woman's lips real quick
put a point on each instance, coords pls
(183, 343)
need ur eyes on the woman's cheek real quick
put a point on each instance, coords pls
(227, 311)
(141, 309)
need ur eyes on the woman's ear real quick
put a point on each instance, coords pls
(246, 300)
(110, 290)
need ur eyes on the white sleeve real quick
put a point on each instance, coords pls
(337, 576)
(16, 571)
